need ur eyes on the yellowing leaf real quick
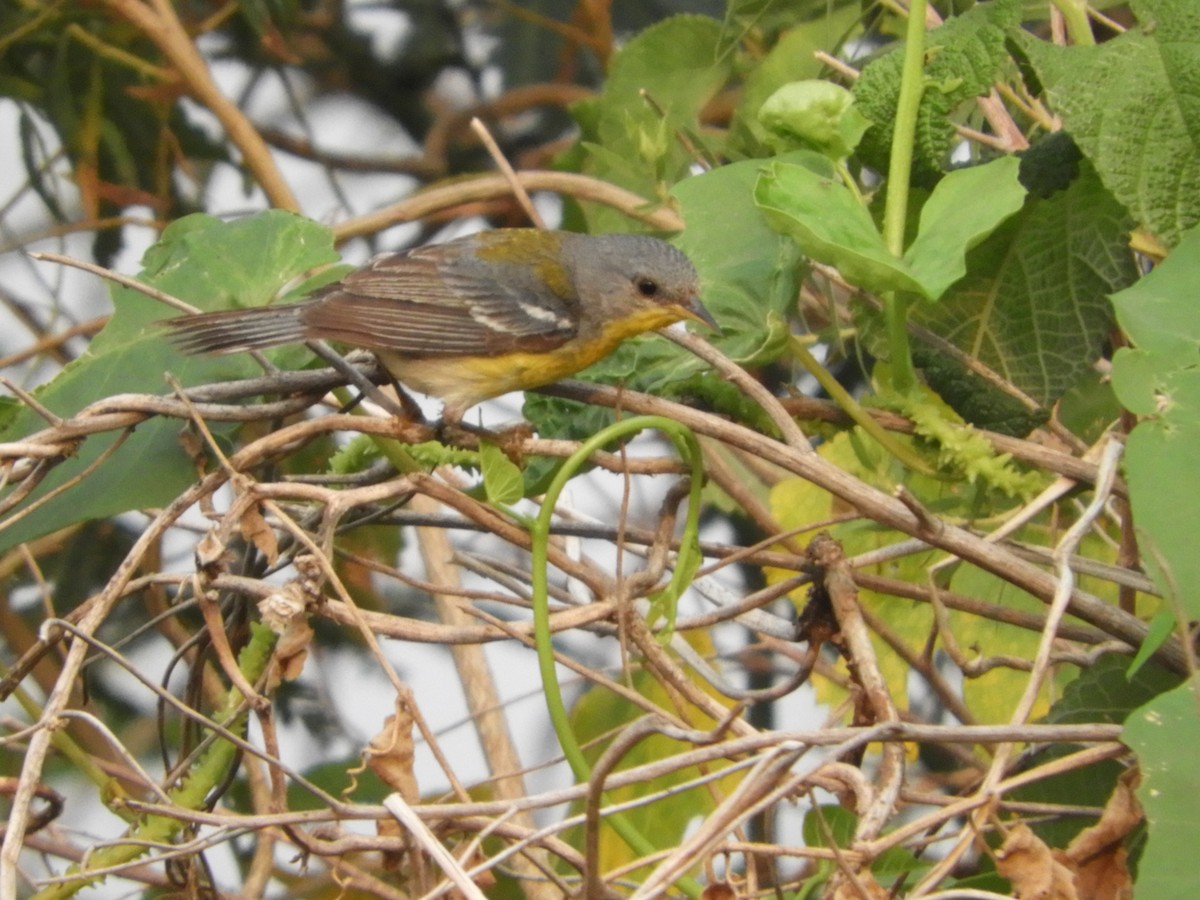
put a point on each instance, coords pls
(991, 696)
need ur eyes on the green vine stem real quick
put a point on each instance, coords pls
(912, 86)
(1075, 17)
(209, 771)
(62, 741)
(685, 563)
(854, 410)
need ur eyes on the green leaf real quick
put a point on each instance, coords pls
(502, 479)
(1163, 733)
(1089, 407)
(829, 826)
(740, 17)
(791, 59)
(1160, 466)
(1106, 692)
(202, 260)
(749, 274)
(1133, 107)
(994, 695)
(1050, 165)
(10, 407)
(813, 114)
(1033, 304)
(797, 502)
(979, 402)
(826, 826)
(965, 207)
(1160, 628)
(635, 143)
(833, 827)
(1103, 692)
(752, 21)
(831, 226)
(1160, 379)
(964, 57)
(214, 264)
(1159, 312)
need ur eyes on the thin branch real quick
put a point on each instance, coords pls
(159, 22)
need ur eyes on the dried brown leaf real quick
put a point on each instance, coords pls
(212, 556)
(1032, 869)
(390, 754)
(193, 445)
(1098, 854)
(254, 528)
(286, 613)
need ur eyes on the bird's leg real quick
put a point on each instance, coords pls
(449, 429)
(511, 439)
(412, 409)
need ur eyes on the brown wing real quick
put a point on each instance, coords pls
(443, 300)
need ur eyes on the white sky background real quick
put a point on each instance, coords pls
(348, 681)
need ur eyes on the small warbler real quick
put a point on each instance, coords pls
(479, 316)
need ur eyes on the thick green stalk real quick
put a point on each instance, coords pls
(912, 86)
(1075, 17)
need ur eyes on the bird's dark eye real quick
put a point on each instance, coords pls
(647, 287)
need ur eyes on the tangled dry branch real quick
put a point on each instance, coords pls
(294, 529)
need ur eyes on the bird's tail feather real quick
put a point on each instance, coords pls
(233, 330)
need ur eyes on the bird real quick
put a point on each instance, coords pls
(479, 316)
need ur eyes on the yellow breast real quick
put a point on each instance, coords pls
(463, 381)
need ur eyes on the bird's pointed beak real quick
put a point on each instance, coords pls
(697, 313)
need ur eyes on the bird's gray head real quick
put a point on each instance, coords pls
(635, 276)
